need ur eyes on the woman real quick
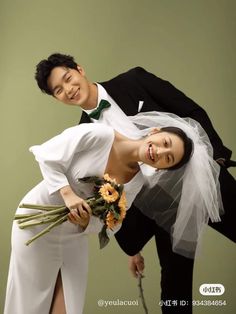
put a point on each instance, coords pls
(60, 258)
(190, 194)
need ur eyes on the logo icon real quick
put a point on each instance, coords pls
(212, 289)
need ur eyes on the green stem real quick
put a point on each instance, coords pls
(93, 201)
(99, 210)
(60, 210)
(58, 222)
(40, 221)
(22, 216)
(41, 207)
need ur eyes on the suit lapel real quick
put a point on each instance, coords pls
(85, 118)
(123, 96)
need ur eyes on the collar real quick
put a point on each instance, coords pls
(102, 94)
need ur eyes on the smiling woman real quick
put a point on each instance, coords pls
(78, 152)
(86, 150)
(191, 188)
(171, 149)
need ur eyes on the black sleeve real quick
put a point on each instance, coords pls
(137, 229)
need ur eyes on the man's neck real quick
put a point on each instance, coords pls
(93, 98)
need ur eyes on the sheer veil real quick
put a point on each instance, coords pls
(181, 201)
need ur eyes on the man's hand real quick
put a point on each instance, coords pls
(136, 264)
(226, 162)
(79, 209)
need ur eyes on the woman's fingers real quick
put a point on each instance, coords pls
(80, 204)
(82, 212)
(73, 216)
(79, 216)
(87, 207)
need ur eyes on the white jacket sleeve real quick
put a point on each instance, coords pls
(55, 155)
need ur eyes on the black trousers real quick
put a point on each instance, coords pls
(176, 270)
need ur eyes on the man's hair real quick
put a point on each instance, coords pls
(45, 67)
(188, 145)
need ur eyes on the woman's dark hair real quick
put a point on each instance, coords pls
(188, 145)
(45, 67)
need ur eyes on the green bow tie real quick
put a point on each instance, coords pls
(95, 114)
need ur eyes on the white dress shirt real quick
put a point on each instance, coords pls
(115, 117)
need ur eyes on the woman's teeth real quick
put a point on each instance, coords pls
(150, 150)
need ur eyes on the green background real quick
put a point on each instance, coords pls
(190, 43)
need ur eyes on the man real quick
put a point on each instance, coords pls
(139, 91)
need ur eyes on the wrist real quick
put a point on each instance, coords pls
(66, 191)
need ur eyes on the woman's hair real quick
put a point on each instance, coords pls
(188, 145)
(45, 67)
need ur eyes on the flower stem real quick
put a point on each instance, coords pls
(41, 207)
(57, 222)
(35, 222)
(140, 276)
(59, 210)
(22, 216)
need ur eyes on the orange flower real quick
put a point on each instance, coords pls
(108, 179)
(108, 193)
(110, 220)
(122, 215)
(122, 202)
(123, 205)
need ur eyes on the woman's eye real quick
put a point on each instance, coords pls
(58, 91)
(68, 78)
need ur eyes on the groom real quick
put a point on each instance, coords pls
(139, 91)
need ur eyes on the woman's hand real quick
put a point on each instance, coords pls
(80, 211)
(136, 264)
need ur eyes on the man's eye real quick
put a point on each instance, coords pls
(68, 78)
(165, 143)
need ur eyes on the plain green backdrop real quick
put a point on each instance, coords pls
(190, 43)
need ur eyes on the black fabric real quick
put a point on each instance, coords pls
(176, 276)
(127, 90)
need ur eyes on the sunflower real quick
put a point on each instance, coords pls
(122, 215)
(122, 202)
(108, 193)
(107, 178)
(110, 220)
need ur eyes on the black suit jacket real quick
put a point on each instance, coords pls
(127, 90)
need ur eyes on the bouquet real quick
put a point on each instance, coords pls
(108, 203)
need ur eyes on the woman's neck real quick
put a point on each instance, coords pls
(126, 150)
(121, 163)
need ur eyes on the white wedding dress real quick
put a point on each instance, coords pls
(78, 152)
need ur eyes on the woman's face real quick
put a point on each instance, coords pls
(162, 149)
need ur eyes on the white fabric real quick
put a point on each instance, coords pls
(114, 116)
(183, 211)
(182, 201)
(78, 152)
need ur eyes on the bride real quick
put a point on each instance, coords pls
(61, 256)
(50, 275)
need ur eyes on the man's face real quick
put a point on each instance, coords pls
(71, 87)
